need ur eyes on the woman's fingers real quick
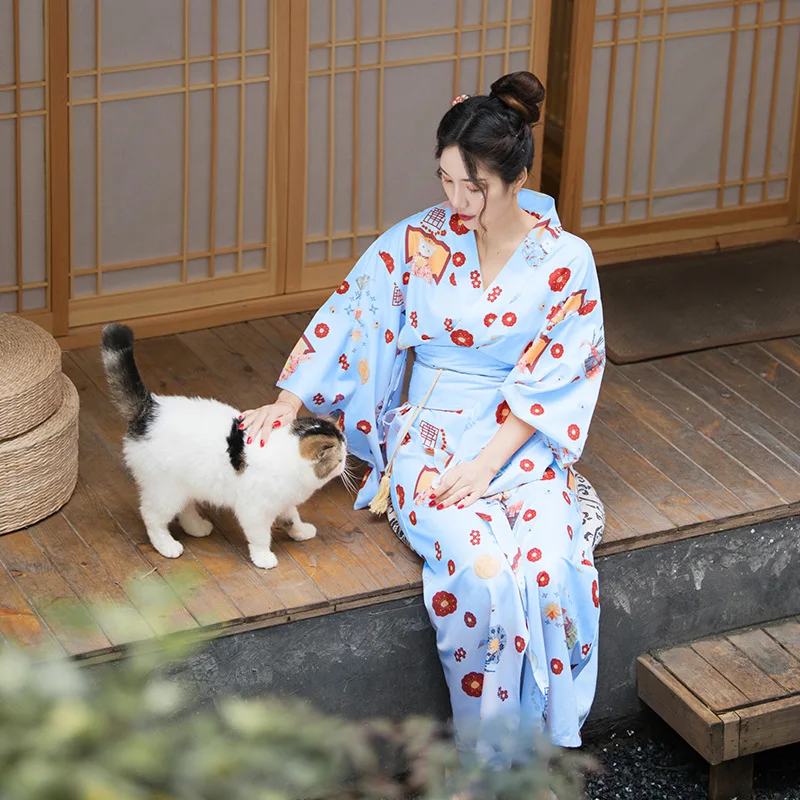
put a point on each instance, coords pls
(458, 493)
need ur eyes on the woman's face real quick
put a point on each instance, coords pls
(466, 198)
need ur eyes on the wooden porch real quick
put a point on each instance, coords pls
(679, 447)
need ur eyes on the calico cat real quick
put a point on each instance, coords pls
(183, 450)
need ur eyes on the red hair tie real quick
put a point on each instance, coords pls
(460, 99)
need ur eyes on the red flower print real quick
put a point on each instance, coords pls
(574, 432)
(529, 515)
(502, 412)
(587, 308)
(556, 666)
(494, 294)
(319, 399)
(489, 319)
(472, 684)
(537, 410)
(460, 654)
(519, 643)
(558, 279)
(413, 319)
(425, 337)
(448, 325)
(469, 620)
(475, 537)
(401, 496)
(509, 319)
(388, 260)
(444, 603)
(459, 259)
(453, 279)
(343, 287)
(451, 567)
(585, 649)
(338, 398)
(534, 554)
(569, 530)
(406, 440)
(389, 336)
(485, 517)
(438, 548)
(502, 694)
(587, 563)
(565, 495)
(595, 594)
(364, 426)
(475, 278)
(526, 465)
(549, 474)
(343, 361)
(542, 579)
(321, 331)
(406, 278)
(412, 517)
(462, 338)
(457, 226)
(557, 351)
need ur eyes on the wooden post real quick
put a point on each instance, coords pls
(731, 780)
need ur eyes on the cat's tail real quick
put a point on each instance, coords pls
(128, 393)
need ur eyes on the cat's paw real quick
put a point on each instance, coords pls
(168, 547)
(199, 528)
(301, 531)
(263, 557)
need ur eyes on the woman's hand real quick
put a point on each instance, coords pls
(259, 423)
(464, 484)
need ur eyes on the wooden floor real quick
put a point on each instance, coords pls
(678, 447)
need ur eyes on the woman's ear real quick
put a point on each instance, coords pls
(519, 183)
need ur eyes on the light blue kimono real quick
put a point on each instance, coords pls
(509, 583)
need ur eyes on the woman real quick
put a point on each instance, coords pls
(503, 311)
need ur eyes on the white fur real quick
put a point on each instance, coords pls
(183, 459)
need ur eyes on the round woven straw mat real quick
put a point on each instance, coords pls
(30, 375)
(40, 468)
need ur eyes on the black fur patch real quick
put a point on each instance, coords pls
(316, 426)
(128, 392)
(236, 447)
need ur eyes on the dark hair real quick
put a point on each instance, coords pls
(495, 130)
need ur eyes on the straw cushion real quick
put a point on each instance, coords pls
(30, 375)
(39, 468)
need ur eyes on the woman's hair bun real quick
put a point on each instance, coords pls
(523, 92)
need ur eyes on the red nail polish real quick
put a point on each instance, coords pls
(461, 506)
(241, 427)
(432, 503)
(249, 440)
(240, 417)
(433, 496)
(262, 442)
(439, 507)
(276, 424)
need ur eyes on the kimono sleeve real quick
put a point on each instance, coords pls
(555, 385)
(347, 363)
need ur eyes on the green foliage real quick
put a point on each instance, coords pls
(130, 732)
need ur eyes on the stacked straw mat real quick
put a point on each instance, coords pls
(38, 425)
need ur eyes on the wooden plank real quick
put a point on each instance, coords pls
(782, 415)
(675, 504)
(618, 495)
(694, 672)
(731, 779)
(758, 360)
(18, 621)
(665, 455)
(120, 558)
(738, 669)
(680, 709)
(788, 634)
(730, 734)
(723, 400)
(631, 389)
(717, 428)
(769, 725)
(84, 572)
(770, 657)
(49, 595)
(786, 351)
